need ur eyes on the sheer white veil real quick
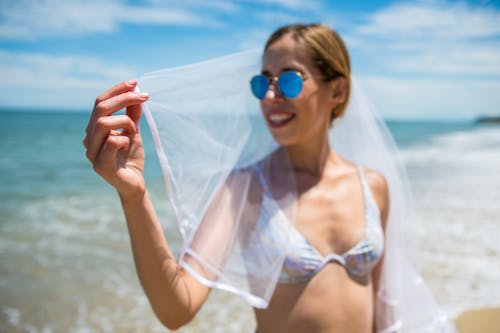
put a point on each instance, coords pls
(218, 158)
(213, 145)
(404, 302)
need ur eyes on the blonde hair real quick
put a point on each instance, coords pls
(327, 51)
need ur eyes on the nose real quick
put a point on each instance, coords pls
(270, 94)
(273, 91)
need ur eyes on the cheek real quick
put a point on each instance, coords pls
(307, 104)
(263, 108)
(318, 101)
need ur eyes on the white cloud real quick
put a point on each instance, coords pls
(432, 37)
(31, 20)
(433, 20)
(431, 59)
(219, 5)
(419, 60)
(34, 80)
(271, 18)
(254, 39)
(143, 15)
(290, 4)
(460, 58)
(431, 98)
(223, 6)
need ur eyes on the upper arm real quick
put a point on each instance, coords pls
(214, 240)
(380, 189)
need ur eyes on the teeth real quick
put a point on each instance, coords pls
(279, 118)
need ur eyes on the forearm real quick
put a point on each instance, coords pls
(157, 268)
(114, 146)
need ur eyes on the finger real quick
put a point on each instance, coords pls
(105, 127)
(135, 112)
(85, 142)
(114, 104)
(117, 89)
(106, 161)
(118, 102)
(86, 138)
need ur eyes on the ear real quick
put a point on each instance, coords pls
(338, 90)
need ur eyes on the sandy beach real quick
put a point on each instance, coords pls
(485, 320)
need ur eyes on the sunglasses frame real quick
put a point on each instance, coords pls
(276, 80)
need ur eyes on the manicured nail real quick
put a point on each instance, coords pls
(144, 95)
(131, 82)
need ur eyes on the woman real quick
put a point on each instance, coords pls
(331, 213)
(331, 268)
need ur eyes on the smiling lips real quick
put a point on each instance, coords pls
(277, 119)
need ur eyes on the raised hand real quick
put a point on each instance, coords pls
(113, 142)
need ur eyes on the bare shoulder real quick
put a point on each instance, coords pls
(377, 182)
(380, 189)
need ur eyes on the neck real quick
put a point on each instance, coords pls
(310, 156)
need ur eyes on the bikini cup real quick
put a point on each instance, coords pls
(302, 260)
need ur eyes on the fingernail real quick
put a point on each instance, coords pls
(132, 82)
(144, 95)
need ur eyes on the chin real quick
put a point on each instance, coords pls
(284, 140)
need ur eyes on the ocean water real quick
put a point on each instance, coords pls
(65, 258)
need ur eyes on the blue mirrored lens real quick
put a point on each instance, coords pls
(259, 85)
(290, 84)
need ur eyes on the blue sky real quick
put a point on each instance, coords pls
(415, 59)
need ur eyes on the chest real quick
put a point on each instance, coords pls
(332, 219)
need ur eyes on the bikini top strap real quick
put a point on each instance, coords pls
(262, 180)
(370, 202)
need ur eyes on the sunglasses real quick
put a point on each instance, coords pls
(289, 84)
